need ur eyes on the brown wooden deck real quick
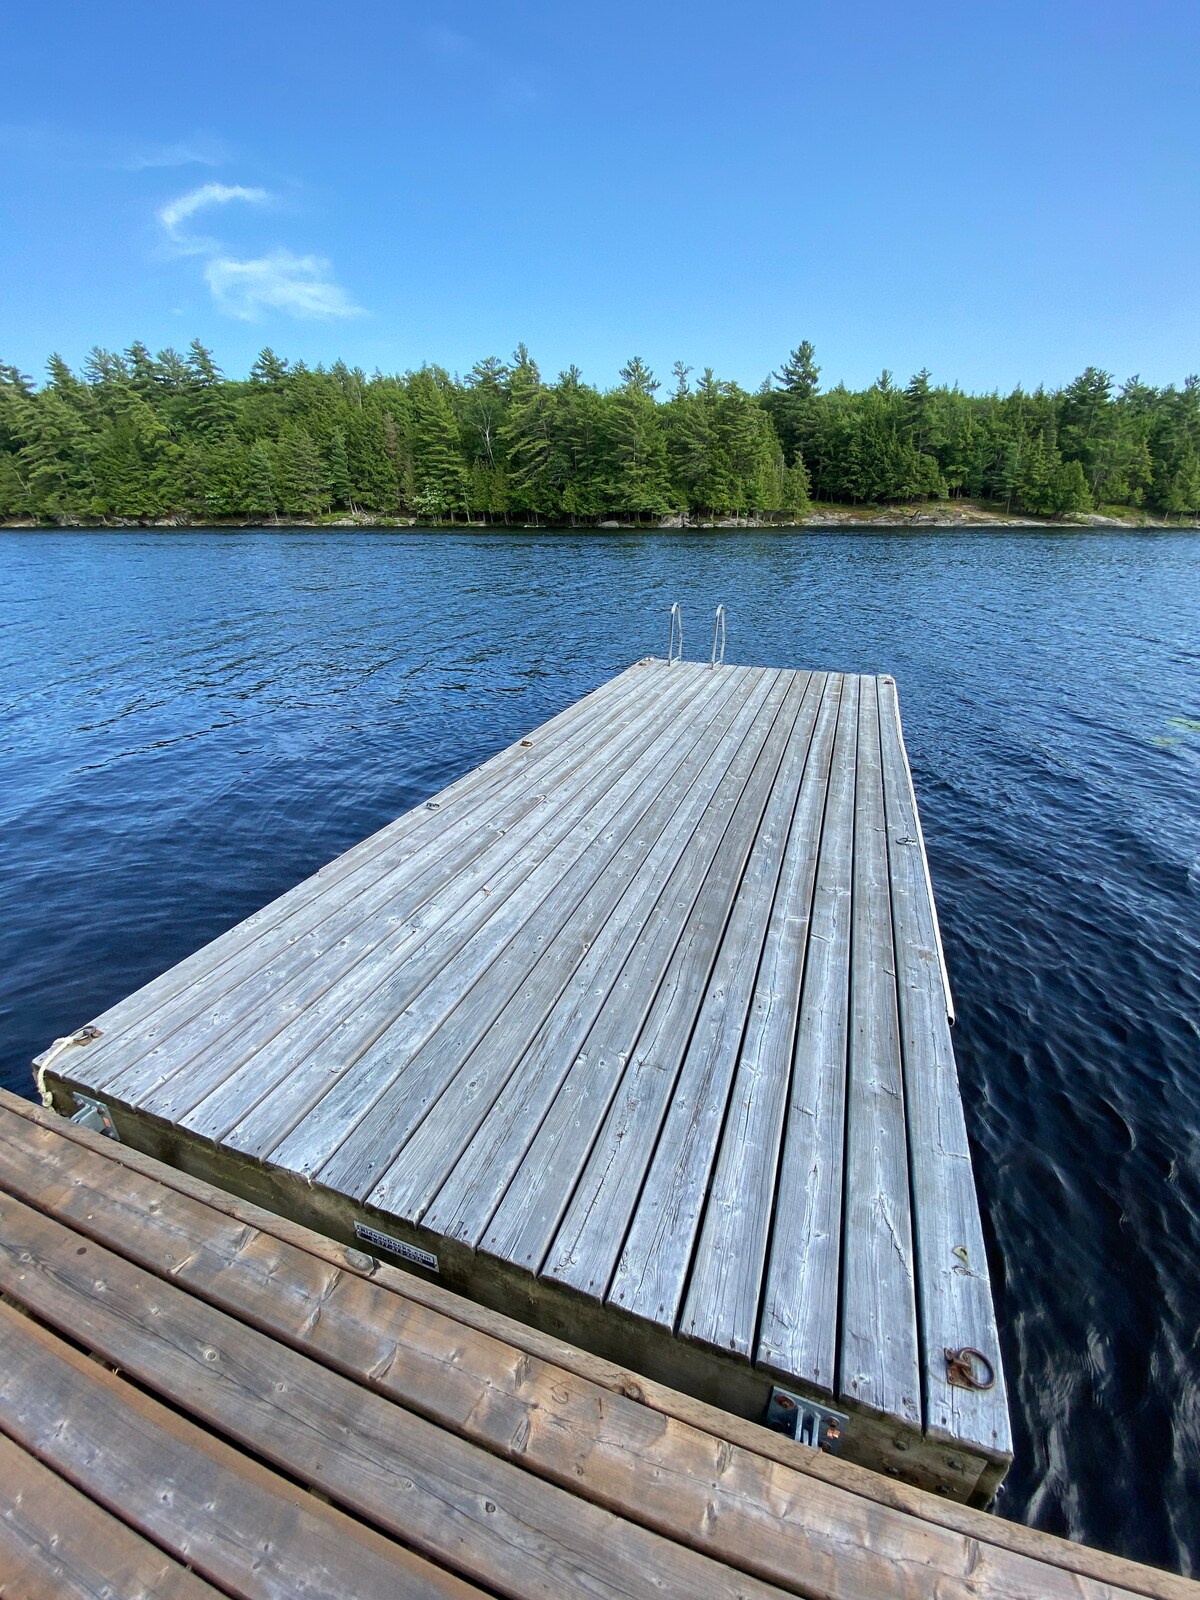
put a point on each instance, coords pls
(642, 1031)
(200, 1398)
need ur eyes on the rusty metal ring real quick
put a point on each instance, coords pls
(962, 1368)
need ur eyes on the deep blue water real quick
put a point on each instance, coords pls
(194, 721)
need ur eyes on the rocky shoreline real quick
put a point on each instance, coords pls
(962, 514)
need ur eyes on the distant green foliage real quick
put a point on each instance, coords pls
(145, 437)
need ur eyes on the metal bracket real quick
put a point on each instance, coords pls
(93, 1114)
(675, 640)
(805, 1421)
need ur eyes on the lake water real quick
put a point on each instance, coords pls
(194, 721)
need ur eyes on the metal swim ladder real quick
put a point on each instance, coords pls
(675, 637)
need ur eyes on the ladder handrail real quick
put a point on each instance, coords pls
(676, 634)
(718, 625)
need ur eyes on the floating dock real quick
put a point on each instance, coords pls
(640, 1032)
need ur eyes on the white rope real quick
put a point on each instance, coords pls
(60, 1046)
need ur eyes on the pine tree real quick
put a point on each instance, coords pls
(1069, 493)
(797, 490)
(145, 374)
(918, 404)
(639, 481)
(268, 368)
(134, 460)
(637, 377)
(800, 374)
(136, 436)
(439, 471)
(261, 499)
(56, 459)
(485, 398)
(207, 409)
(578, 462)
(1182, 498)
(527, 440)
(338, 475)
(301, 477)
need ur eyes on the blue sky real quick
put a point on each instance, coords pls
(1001, 192)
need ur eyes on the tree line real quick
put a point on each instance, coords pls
(139, 436)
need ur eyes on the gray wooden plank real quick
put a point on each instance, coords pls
(723, 1296)
(201, 1084)
(799, 1316)
(618, 1145)
(293, 1074)
(337, 1117)
(566, 1081)
(172, 1037)
(649, 1272)
(551, 933)
(878, 1361)
(630, 885)
(954, 1292)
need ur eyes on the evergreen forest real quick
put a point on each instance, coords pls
(136, 436)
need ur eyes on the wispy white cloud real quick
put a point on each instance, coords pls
(195, 152)
(301, 286)
(246, 287)
(448, 42)
(176, 212)
(489, 71)
(44, 144)
(37, 142)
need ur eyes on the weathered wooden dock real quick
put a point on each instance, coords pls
(200, 1398)
(641, 1032)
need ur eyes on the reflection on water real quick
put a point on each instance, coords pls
(193, 722)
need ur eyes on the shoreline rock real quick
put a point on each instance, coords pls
(962, 514)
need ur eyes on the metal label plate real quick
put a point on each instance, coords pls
(397, 1247)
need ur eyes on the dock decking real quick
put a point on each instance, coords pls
(641, 1031)
(199, 1398)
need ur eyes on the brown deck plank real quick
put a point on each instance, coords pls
(242, 1528)
(55, 1544)
(678, 1480)
(453, 1503)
